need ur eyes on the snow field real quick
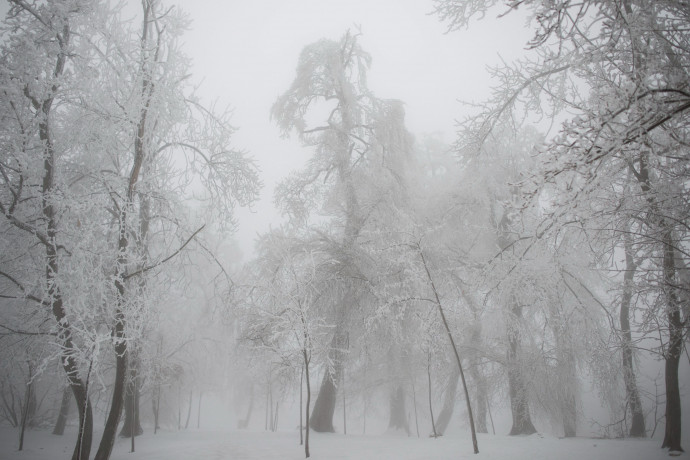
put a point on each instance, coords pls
(284, 445)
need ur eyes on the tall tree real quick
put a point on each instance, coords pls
(35, 55)
(632, 59)
(359, 148)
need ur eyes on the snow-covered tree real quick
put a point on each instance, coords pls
(352, 180)
(616, 72)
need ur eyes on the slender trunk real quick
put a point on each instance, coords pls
(301, 407)
(637, 427)
(488, 409)
(198, 414)
(344, 406)
(25, 411)
(431, 408)
(270, 405)
(414, 401)
(306, 411)
(61, 421)
(673, 433)
(179, 407)
(189, 410)
(133, 409)
(475, 445)
(156, 402)
(268, 402)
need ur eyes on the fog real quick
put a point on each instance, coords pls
(344, 229)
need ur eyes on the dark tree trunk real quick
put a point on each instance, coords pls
(156, 403)
(522, 421)
(25, 412)
(398, 415)
(131, 406)
(301, 407)
(306, 411)
(61, 421)
(324, 407)
(672, 434)
(82, 448)
(105, 447)
(637, 427)
(434, 433)
(198, 414)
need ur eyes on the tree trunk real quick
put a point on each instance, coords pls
(131, 406)
(189, 410)
(82, 448)
(398, 415)
(301, 407)
(637, 427)
(470, 416)
(481, 403)
(198, 414)
(25, 412)
(673, 433)
(105, 448)
(414, 401)
(522, 421)
(306, 411)
(475, 371)
(324, 407)
(244, 423)
(435, 434)
(449, 398)
(156, 403)
(61, 421)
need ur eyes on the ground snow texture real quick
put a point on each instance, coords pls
(260, 445)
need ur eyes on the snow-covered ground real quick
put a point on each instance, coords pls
(260, 445)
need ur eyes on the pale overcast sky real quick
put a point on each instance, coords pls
(246, 53)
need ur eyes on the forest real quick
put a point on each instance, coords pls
(528, 278)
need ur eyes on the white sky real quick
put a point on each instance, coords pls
(245, 53)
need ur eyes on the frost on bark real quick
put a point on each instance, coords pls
(44, 32)
(321, 419)
(673, 433)
(519, 405)
(132, 424)
(632, 394)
